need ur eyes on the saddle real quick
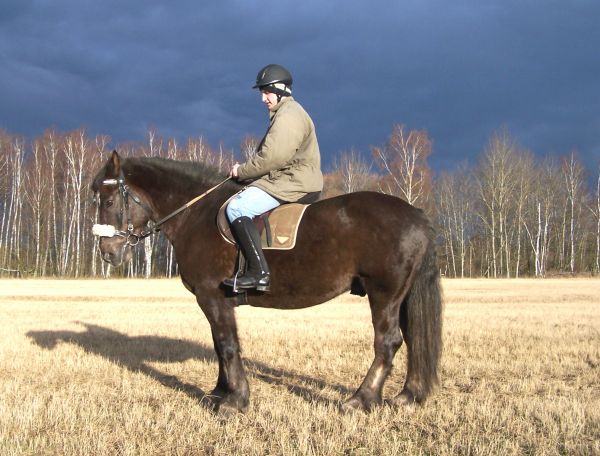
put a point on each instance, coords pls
(278, 228)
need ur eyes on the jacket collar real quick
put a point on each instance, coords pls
(283, 101)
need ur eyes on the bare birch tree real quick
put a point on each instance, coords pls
(540, 216)
(596, 212)
(573, 179)
(249, 147)
(4, 193)
(353, 172)
(455, 214)
(524, 171)
(404, 158)
(36, 192)
(12, 221)
(496, 185)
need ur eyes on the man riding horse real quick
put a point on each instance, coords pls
(285, 168)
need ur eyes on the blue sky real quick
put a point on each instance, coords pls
(461, 70)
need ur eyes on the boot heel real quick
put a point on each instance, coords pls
(263, 287)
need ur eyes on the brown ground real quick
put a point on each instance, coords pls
(96, 367)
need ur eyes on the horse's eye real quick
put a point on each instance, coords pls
(108, 203)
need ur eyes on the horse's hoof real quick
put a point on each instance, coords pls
(355, 404)
(217, 394)
(351, 406)
(230, 406)
(405, 400)
(226, 411)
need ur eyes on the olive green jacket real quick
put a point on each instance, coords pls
(287, 163)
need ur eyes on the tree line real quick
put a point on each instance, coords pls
(511, 214)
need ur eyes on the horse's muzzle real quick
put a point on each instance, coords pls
(113, 259)
(115, 251)
(107, 257)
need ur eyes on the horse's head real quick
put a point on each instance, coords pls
(121, 213)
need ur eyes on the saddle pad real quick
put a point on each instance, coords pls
(284, 221)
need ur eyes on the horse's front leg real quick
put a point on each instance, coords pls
(231, 392)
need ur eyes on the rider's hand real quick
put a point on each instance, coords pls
(234, 170)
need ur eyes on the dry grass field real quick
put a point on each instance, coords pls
(120, 367)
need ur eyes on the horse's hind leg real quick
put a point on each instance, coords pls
(421, 324)
(388, 339)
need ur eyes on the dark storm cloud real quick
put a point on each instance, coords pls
(461, 70)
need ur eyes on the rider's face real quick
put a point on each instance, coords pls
(268, 98)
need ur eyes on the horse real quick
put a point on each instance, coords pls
(367, 243)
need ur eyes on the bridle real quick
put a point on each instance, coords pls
(132, 238)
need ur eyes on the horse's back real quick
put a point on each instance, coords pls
(378, 211)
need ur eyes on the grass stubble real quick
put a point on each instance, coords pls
(119, 367)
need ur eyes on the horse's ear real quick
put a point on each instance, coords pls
(113, 168)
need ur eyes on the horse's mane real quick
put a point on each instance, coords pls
(176, 174)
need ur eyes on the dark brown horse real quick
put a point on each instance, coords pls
(369, 243)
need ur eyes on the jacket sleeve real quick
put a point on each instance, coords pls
(279, 145)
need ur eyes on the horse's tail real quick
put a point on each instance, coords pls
(421, 315)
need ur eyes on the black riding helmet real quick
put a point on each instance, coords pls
(274, 74)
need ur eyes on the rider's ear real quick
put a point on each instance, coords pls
(114, 167)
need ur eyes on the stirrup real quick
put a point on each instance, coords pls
(233, 282)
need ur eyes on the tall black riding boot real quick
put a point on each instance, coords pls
(257, 273)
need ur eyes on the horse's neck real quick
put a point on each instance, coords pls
(167, 193)
(166, 189)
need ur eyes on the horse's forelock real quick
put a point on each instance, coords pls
(107, 171)
(99, 178)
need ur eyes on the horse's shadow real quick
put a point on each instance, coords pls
(135, 352)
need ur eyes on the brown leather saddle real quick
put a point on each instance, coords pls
(278, 228)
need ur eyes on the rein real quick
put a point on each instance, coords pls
(132, 238)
